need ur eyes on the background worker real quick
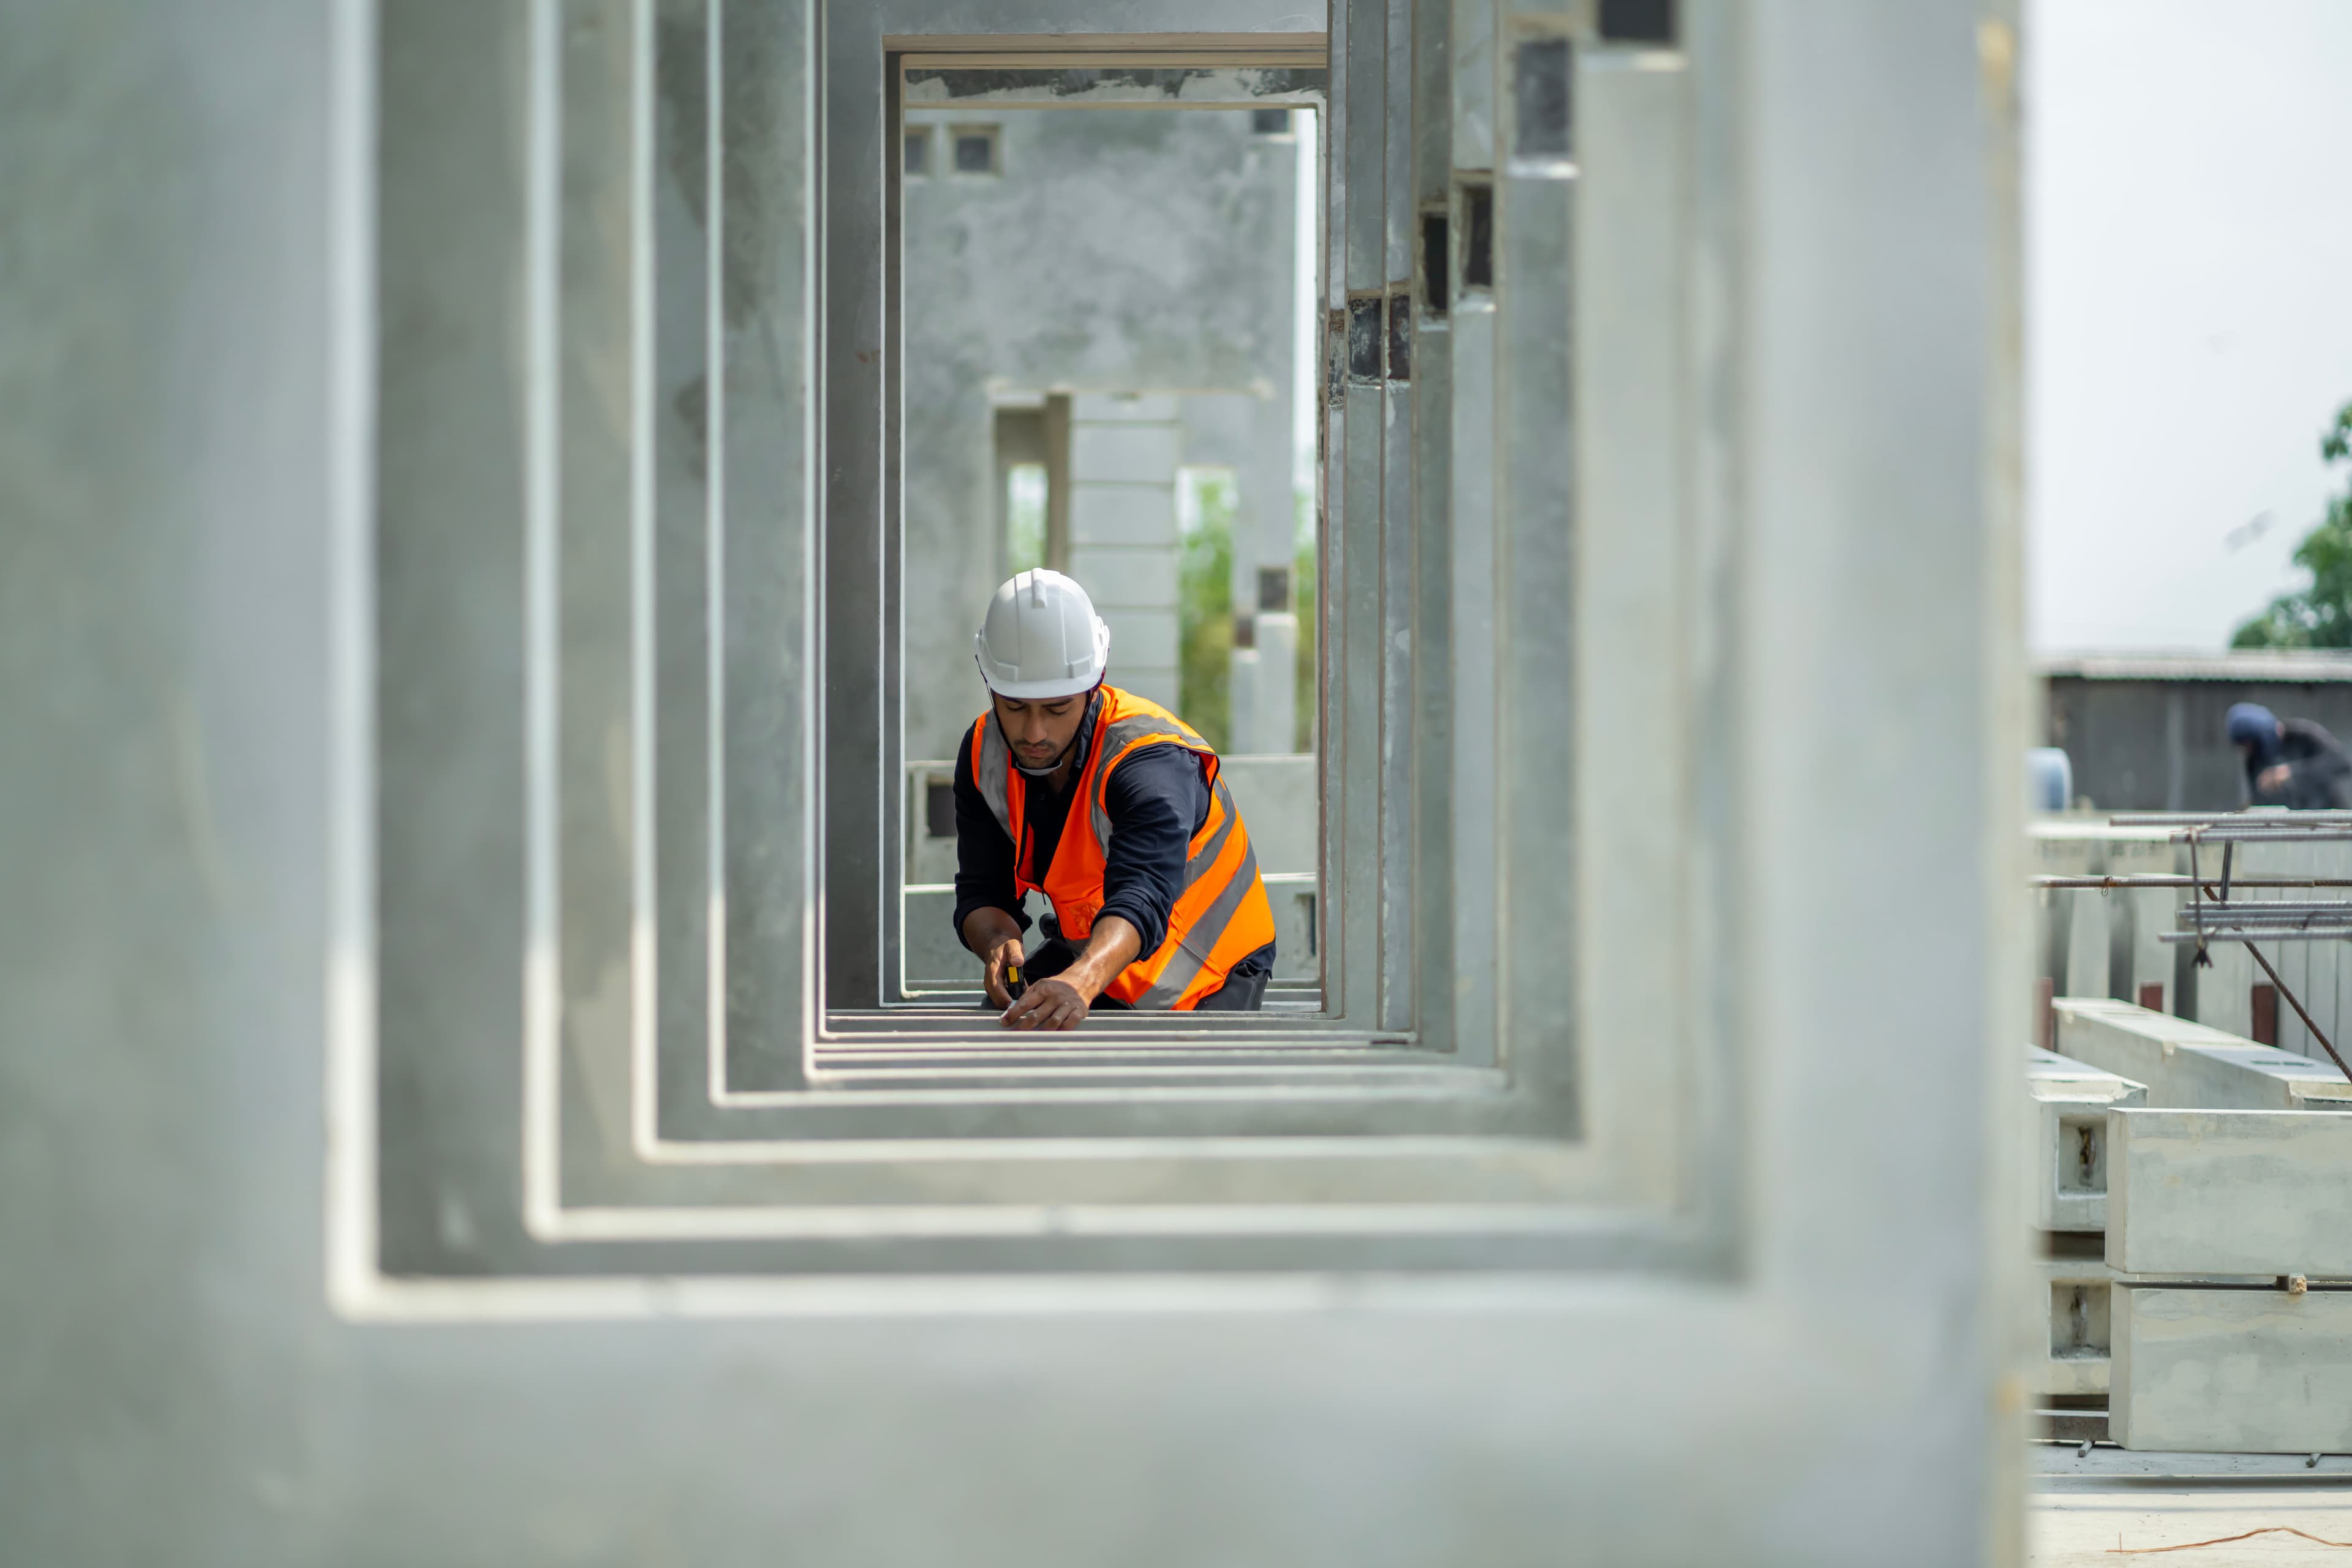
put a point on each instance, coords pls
(2291, 761)
(1116, 811)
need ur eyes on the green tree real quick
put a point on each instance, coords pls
(1205, 617)
(2321, 614)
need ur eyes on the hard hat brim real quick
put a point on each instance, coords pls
(1038, 691)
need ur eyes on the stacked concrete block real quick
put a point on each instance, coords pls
(2078, 1295)
(2073, 1287)
(2235, 1331)
(2190, 1066)
(1124, 453)
(2071, 1101)
(2218, 1314)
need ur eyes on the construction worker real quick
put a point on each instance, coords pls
(1116, 811)
(2291, 762)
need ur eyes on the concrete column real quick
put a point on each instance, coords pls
(1271, 676)
(1123, 546)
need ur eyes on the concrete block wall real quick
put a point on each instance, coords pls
(1124, 454)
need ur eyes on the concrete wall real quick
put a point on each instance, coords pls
(185, 374)
(1117, 252)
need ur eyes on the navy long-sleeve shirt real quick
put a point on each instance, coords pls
(1156, 800)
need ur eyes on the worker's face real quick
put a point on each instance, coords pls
(1038, 731)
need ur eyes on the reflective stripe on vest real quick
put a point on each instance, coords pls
(1221, 914)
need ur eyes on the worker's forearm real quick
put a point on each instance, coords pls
(986, 926)
(1111, 948)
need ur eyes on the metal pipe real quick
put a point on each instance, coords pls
(2283, 934)
(2177, 880)
(2326, 835)
(2323, 1043)
(2275, 908)
(2230, 820)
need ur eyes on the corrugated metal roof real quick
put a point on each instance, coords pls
(2249, 666)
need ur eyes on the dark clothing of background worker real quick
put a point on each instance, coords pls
(2291, 762)
(1116, 811)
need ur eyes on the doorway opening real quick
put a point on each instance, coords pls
(1108, 365)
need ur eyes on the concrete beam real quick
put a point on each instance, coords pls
(2229, 1192)
(2190, 1067)
(2071, 1101)
(2217, 1371)
(2075, 1296)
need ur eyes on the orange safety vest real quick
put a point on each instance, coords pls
(1221, 915)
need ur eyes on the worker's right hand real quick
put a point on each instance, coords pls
(1004, 955)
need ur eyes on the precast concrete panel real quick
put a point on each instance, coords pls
(360, 1212)
(1126, 516)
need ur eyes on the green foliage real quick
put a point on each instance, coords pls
(1206, 612)
(2321, 614)
(1025, 518)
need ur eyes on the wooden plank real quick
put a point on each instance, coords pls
(2229, 1192)
(2190, 1066)
(2216, 1371)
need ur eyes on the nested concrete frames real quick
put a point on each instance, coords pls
(626, 654)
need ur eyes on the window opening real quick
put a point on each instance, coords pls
(918, 145)
(1024, 510)
(1436, 260)
(1478, 236)
(1637, 21)
(1542, 77)
(978, 149)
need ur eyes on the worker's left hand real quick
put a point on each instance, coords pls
(1049, 1003)
(2273, 778)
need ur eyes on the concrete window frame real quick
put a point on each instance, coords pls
(662, 1128)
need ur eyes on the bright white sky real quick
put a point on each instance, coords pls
(2188, 274)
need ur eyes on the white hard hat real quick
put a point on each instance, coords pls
(1041, 638)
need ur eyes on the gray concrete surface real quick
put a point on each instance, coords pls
(2070, 1100)
(186, 365)
(2231, 1192)
(2231, 1371)
(1141, 260)
(2191, 1066)
(2087, 1528)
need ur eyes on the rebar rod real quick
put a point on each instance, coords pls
(2176, 880)
(2325, 1044)
(2193, 818)
(2265, 934)
(2328, 835)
